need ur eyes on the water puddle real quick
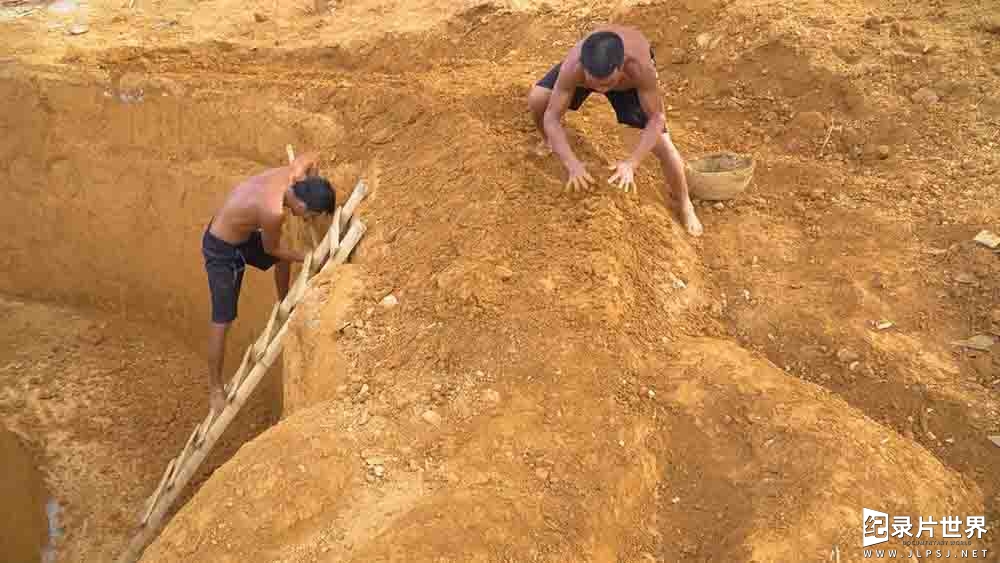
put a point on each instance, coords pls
(28, 524)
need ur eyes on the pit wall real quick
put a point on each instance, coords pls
(108, 199)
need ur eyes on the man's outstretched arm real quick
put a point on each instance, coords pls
(652, 105)
(552, 121)
(562, 95)
(271, 238)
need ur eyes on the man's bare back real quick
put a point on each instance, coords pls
(255, 197)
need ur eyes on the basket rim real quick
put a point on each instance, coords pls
(749, 168)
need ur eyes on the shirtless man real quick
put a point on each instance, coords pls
(618, 62)
(247, 230)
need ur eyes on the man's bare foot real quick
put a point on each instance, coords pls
(684, 211)
(217, 401)
(691, 221)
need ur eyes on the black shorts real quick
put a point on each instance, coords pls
(224, 264)
(626, 103)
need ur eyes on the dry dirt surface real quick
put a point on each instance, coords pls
(563, 377)
(105, 403)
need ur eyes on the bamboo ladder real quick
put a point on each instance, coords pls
(344, 233)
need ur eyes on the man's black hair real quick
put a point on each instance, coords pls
(602, 53)
(317, 193)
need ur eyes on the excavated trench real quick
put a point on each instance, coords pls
(104, 298)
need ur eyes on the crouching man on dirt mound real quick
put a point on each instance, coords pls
(617, 62)
(247, 230)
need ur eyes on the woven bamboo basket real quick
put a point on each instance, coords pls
(719, 176)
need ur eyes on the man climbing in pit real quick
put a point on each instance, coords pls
(618, 62)
(247, 230)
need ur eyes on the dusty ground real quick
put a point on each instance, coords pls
(545, 390)
(105, 402)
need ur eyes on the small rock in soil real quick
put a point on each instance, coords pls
(991, 25)
(389, 301)
(925, 96)
(431, 417)
(965, 277)
(988, 239)
(981, 342)
(362, 394)
(491, 396)
(847, 356)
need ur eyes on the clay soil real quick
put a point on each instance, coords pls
(565, 377)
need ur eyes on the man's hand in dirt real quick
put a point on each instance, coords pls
(624, 175)
(579, 179)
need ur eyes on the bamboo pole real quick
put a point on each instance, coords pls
(260, 345)
(359, 193)
(245, 366)
(185, 453)
(206, 425)
(320, 253)
(154, 521)
(151, 503)
(295, 292)
(328, 246)
(354, 234)
(335, 231)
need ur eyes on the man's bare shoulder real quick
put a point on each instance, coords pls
(268, 177)
(571, 72)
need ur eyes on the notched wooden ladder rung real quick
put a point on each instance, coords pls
(354, 234)
(295, 293)
(352, 203)
(265, 337)
(205, 426)
(151, 503)
(185, 454)
(241, 373)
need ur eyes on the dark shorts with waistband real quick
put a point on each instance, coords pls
(225, 264)
(626, 103)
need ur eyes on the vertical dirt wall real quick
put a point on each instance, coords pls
(108, 200)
